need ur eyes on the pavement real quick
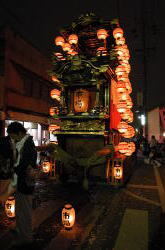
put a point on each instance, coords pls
(130, 217)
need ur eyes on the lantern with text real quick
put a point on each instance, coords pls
(118, 172)
(81, 100)
(122, 147)
(68, 216)
(46, 167)
(10, 207)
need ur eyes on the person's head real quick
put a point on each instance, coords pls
(152, 137)
(16, 131)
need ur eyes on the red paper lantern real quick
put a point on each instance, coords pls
(121, 106)
(102, 34)
(122, 127)
(59, 41)
(121, 87)
(118, 33)
(120, 41)
(55, 94)
(73, 39)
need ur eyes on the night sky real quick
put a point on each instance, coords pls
(142, 20)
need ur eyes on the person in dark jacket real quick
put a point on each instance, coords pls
(23, 180)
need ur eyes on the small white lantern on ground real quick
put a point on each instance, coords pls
(68, 216)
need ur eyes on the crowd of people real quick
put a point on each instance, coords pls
(153, 151)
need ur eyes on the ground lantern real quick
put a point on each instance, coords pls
(68, 216)
(10, 207)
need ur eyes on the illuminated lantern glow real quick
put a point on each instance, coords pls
(73, 39)
(120, 41)
(120, 70)
(53, 127)
(81, 100)
(73, 53)
(123, 96)
(131, 147)
(121, 106)
(118, 172)
(121, 87)
(10, 207)
(53, 111)
(128, 86)
(127, 67)
(129, 133)
(123, 77)
(118, 33)
(122, 127)
(59, 41)
(66, 47)
(129, 102)
(68, 216)
(46, 166)
(122, 147)
(54, 79)
(102, 34)
(55, 94)
(101, 51)
(127, 115)
(60, 56)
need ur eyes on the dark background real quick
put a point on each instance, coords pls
(143, 22)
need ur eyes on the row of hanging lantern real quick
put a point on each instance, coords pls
(123, 91)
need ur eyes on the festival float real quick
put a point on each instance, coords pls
(92, 121)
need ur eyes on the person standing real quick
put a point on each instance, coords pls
(23, 181)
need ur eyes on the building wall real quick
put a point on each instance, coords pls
(154, 123)
(25, 84)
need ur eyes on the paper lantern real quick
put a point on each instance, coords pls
(73, 39)
(10, 207)
(102, 34)
(66, 47)
(118, 172)
(81, 100)
(122, 147)
(122, 127)
(59, 41)
(129, 133)
(101, 51)
(46, 166)
(121, 87)
(73, 53)
(54, 79)
(68, 216)
(127, 115)
(120, 41)
(118, 33)
(53, 127)
(53, 111)
(55, 94)
(120, 70)
(121, 106)
(129, 102)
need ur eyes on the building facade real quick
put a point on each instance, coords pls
(24, 86)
